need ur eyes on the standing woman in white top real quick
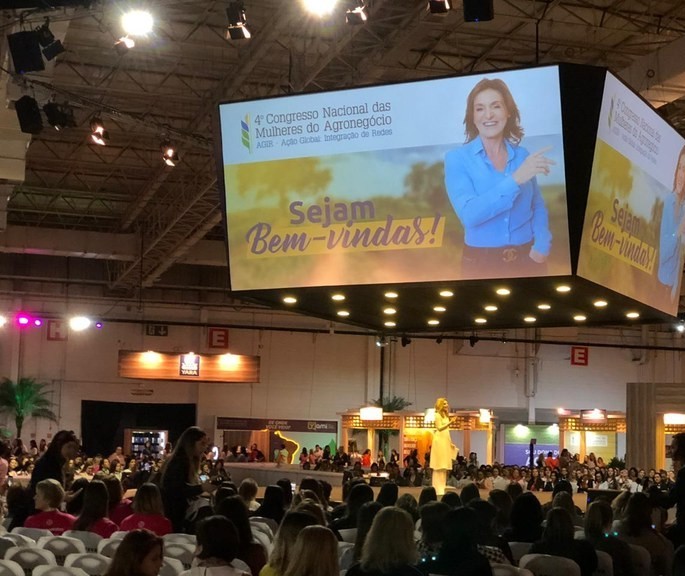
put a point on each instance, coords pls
(442, 449)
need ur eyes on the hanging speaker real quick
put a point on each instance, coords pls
(478, 10)
(25, 49)
(28, 114)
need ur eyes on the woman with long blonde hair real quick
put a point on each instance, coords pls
(315, 553)
(442, 449)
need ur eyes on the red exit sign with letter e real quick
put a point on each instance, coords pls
(579, 355)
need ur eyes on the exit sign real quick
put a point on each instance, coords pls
(157, 329)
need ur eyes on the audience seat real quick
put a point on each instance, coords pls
(61, 546)
(642, 560)
(118, 535)
(519, 550)
(57, 571)
(183, 552)
(89, 539)
(108, 546)
(33, 533)
(171, 567)
(272, 524)
(605, 565)
(10, 568)
(546, 565)
(508, 570)
(263, 539)
(348, 534)
(91, 563)
(5, 545)
(29, 558)
(19, 539)
(180, 538)
(262, 527)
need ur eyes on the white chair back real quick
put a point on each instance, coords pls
(348, 534)
(605, 564)
(61, 546)
(10, 568)
(263, 539)
(91, 563)
(262, 527)
(33, 533)
(238, 564)
(118, 535)
(519, 550)
(29, 558)
(509, 570)
(171, 567)
(89, 539)
(5, 545)
(546, 565)
(181, 538)
(57, 571)
(270, 522)
(108, 546)
(183, 552)
(19, 539)
(642, 560)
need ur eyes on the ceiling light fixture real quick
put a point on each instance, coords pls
(59, 115)
(170, 154)
(79, 323)
(439, 6)
(580, 317)
(391, 295)
(439, 309)
(405, 341)
(600, 303)
(433, 322)
(98, 135)
(480, 320)
(503, 291)
(544, 307)
(338, 297)
(632, 315)
(290, 300)
(563, 289)
(389, 311)
(319, 7)
(124, 44)
(343, 313)
(529, 319)
(381, 341)
(237, 22)
(446, 293)
(390, 324)
(51, 47)
(490, 308)
(356, 13)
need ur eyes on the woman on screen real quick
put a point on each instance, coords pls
(491, 182)
(672, 229)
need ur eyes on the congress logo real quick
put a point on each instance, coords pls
(246, 135)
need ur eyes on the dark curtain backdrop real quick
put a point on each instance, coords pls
(103, 423)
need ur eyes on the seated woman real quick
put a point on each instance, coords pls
(315, 553)
(248, 492)
(139, 554)
(148, 512)
(389, 548)
(636, 528)
(284, 542)
(217, 547)
(119, 507)
(598, 521)
(48, 499)
(249, 550)
(432, 519)
(525, 521)
(558, 540)
(458, 555)
(93, 517)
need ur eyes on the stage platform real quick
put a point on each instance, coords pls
(268, 473)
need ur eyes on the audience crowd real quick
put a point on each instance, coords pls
(492, 518)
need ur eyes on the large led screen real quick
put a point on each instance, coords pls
(449, 179)
(635, 217)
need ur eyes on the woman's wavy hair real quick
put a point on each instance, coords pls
(134, 547)
(390, 542)
(513, 130)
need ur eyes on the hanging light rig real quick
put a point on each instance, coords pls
(170, 154)
(98, 135)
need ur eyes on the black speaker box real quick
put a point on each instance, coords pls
(28, 114)
(25, 50)
(478, 10)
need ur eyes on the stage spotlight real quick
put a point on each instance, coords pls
(98, 325)
(137, 23)
(170, 154)
(124, 44)
(79, 323)
(237, 21)
(381, 341)
(356, 13)
(28, 114)
(319, 7)
(99, 135)
(478, 10)
(405, 341)
(438, 6)
(59, 115)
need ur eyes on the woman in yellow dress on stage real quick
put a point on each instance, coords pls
(443, 452)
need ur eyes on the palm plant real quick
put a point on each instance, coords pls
(25, 398)
(389, 404)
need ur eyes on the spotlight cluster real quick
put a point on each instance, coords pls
(28, 320)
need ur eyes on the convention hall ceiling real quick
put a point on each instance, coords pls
(114, 221)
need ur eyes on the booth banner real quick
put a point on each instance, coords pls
(354, 186)
(517, 443)
(321, 426)
(635, 216)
